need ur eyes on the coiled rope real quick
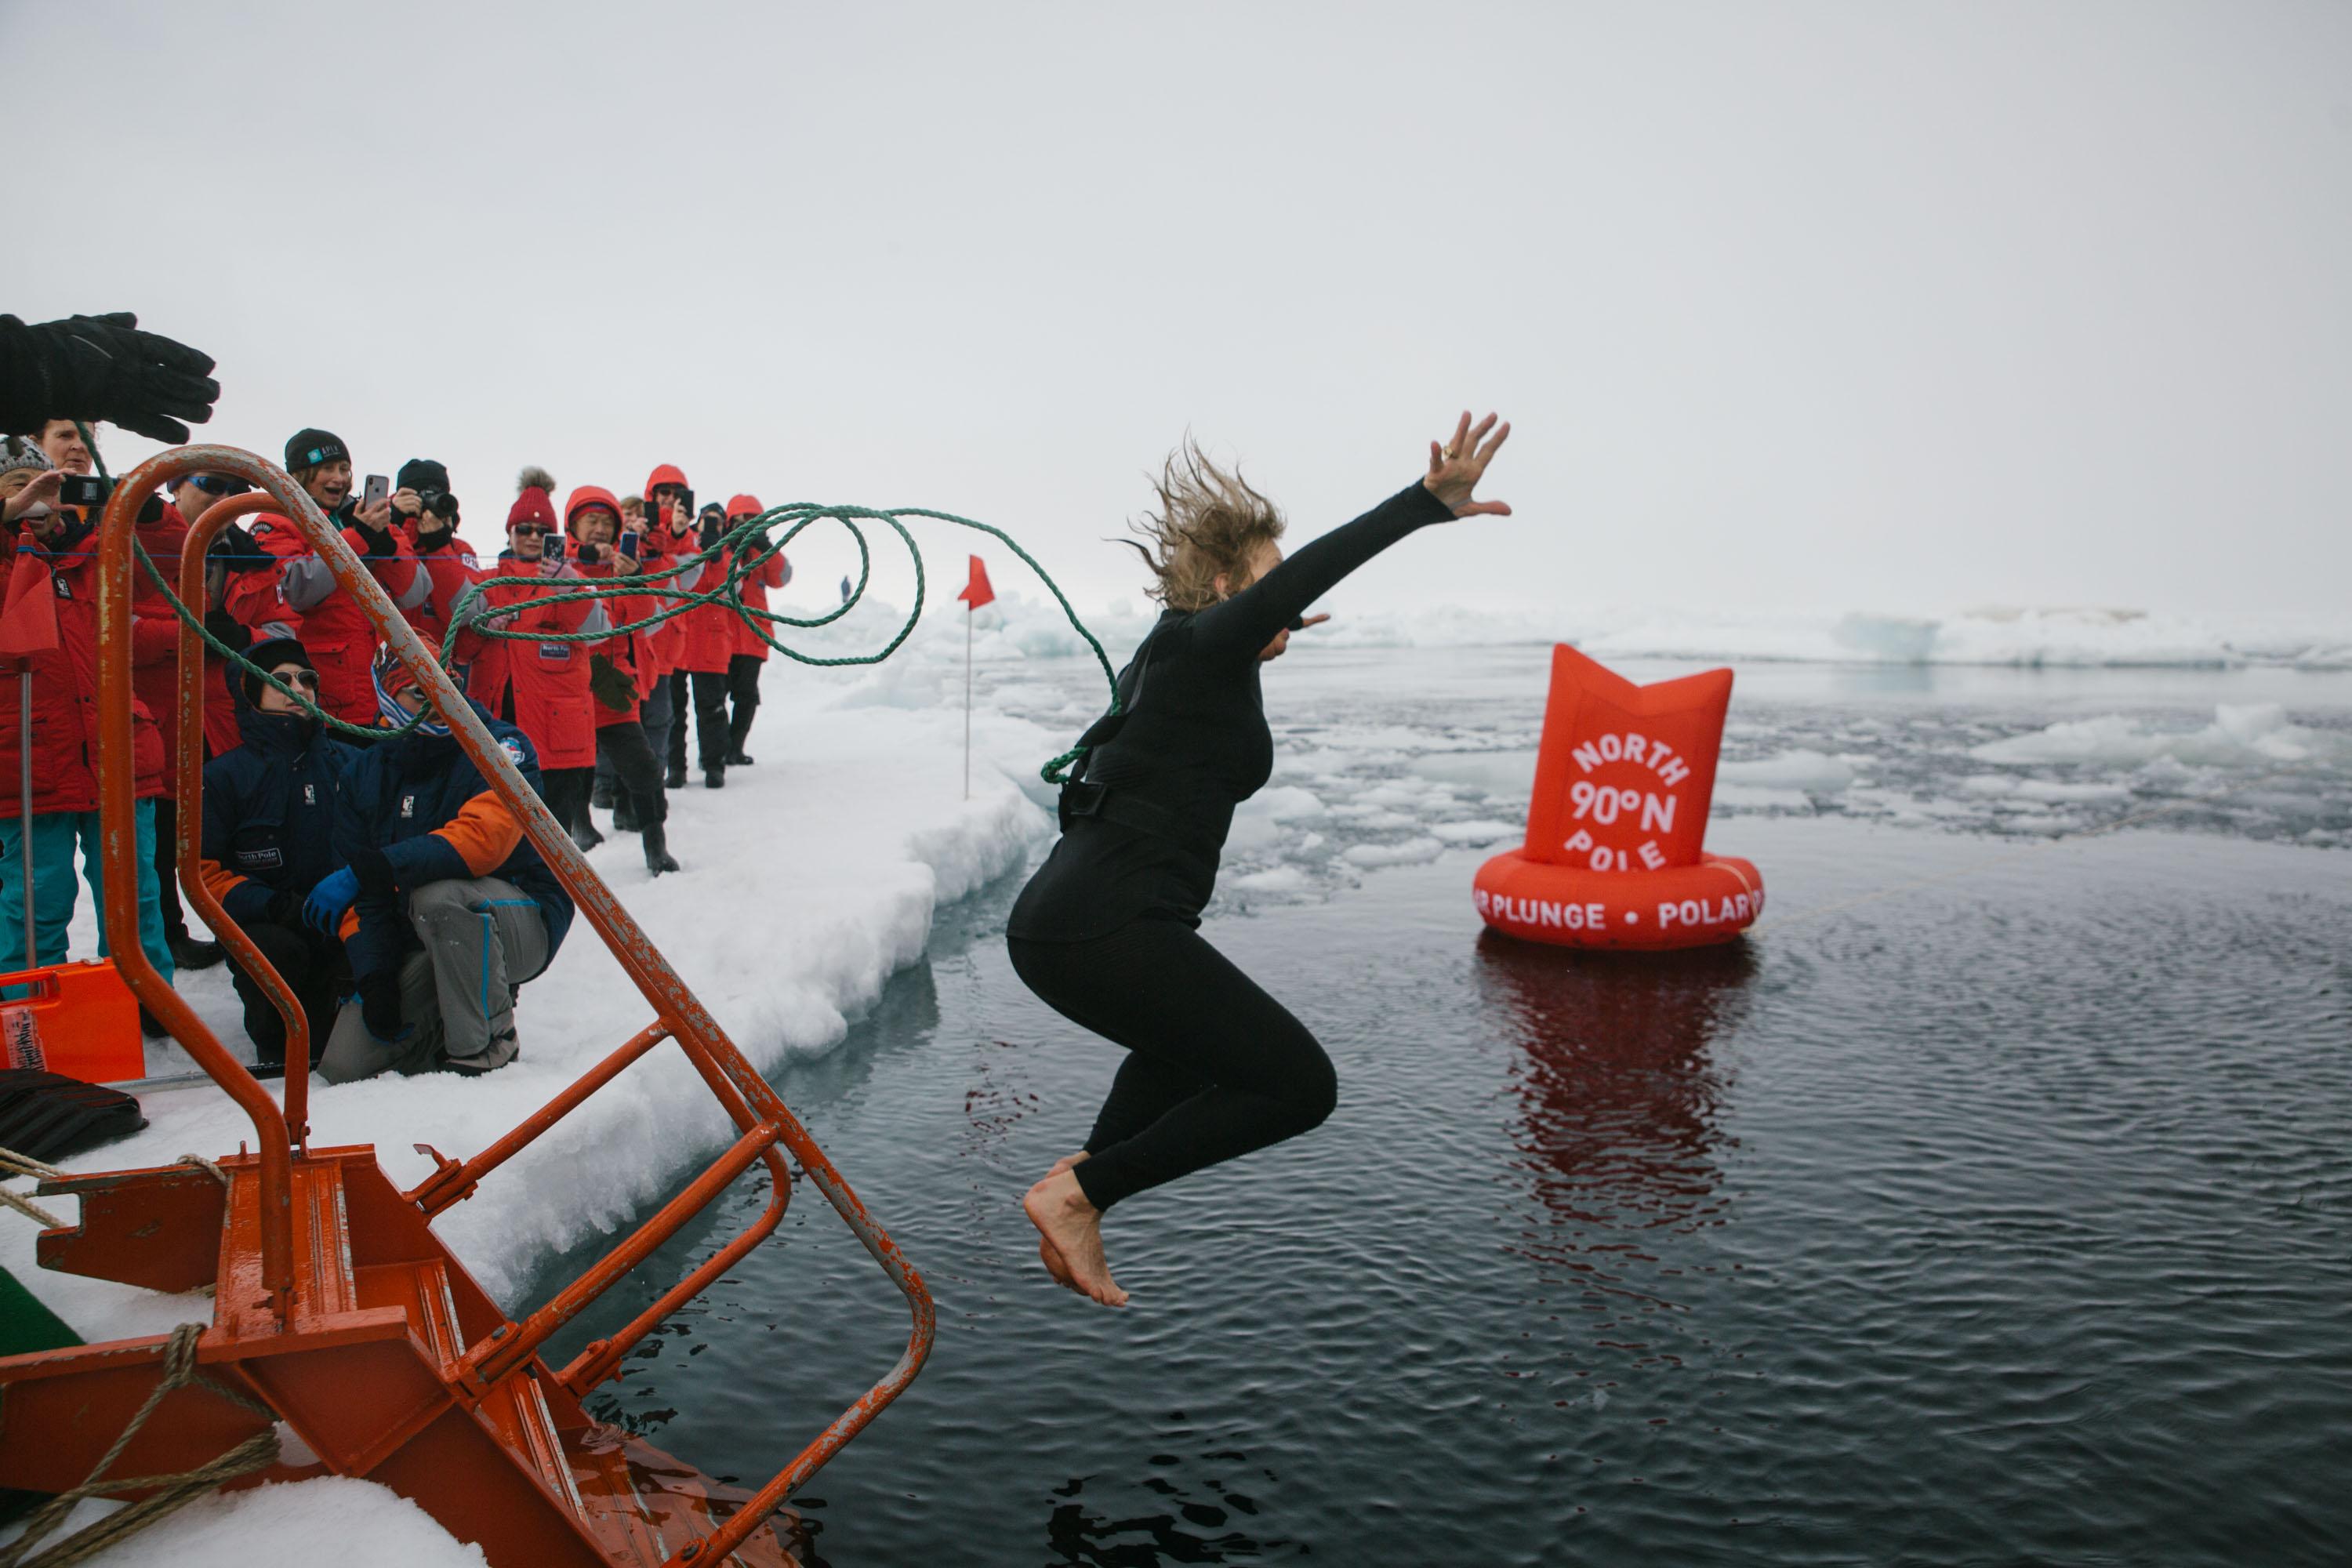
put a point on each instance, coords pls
(744, 549)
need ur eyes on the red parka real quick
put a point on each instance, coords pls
(630, 649)
(548, 681)
(774, 574)
(158, 684)
(341, 640)
(65, 684)
(669, 640)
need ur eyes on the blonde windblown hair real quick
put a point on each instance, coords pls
(1209, 523)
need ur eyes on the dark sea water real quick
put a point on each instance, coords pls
(1992, 1204)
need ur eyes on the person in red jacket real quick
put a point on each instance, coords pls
(162, 530)
(593, 518)
(708, 648)
(425, 510)
(668, 528)
(341, 638)
(62, 686)
(751, 651)
(193, 496)
(541, 687)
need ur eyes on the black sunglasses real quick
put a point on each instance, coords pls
(531, 528)
(218, 484)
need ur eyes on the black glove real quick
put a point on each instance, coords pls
(228, 628)
(286, 909)
(374, 871)
(240, 552)
(380, 540)
(380, 1006)
(103, 367)
(610, 684)
(587, 555)
(433, 532)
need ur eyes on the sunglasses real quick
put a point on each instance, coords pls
(308, 677)
(218, 484)
(530, 528)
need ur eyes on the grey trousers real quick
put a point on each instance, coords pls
(483, 938)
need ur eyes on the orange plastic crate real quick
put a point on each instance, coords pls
(79, 1019)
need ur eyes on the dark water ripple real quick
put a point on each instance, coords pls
(2008, 1220)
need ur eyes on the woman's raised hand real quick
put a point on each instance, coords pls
(1456, 467)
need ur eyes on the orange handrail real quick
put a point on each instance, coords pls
(751, 1101)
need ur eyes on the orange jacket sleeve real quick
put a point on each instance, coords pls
(483, 833)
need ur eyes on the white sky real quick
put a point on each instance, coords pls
(1899, 307)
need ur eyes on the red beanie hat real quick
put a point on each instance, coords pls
(534, 504)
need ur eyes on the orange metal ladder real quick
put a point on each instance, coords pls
(336, 1303)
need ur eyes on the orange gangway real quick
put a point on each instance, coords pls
(336, 1306)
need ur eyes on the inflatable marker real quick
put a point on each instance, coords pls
(1615, 854)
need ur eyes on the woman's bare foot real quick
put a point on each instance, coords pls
(1060, 1270)
(1057, 1206)
(1066, 1162)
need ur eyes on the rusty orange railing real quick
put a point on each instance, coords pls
(766, 1125)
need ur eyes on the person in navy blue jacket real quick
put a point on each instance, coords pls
(454, 909)
(268, 838)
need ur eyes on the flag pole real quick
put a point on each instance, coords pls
(968, 613)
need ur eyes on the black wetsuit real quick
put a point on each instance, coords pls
(1107, 931)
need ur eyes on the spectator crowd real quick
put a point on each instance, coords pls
(392, 890)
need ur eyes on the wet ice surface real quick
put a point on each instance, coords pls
(2002, 1221)
(1385, 756)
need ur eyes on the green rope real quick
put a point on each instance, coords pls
(745, 549)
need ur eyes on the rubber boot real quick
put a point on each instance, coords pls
(600, 794)
(714, 778)
(676, 777)
(584, 835)
(657, 856)
(624, 815)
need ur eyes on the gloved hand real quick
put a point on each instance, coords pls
(587, 554)
(610, 684)
(240, 552)
(103, 367)
(334, 893)
(380, 1008)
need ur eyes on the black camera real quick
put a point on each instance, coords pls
(440, 503)
(85, 491)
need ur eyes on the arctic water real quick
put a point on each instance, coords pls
(1987, 1205)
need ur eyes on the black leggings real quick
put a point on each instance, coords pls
(1215, 1068)
(312, 966)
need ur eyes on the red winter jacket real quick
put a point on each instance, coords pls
(548, 681)
(774, 574)
(65, 686)
(669, 640)
(340, 637)
(426, 618)
(629, 649)
(158, 684)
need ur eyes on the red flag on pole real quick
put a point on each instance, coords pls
(29, 618)
(977, 592)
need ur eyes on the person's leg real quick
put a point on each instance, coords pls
(486, 937)
(681, 707)
(351, 1053)
(743, 699)
(151, 907)
(711, 725)
(290, 954)
(567, 800)
(55, 833)
(632, 758)
(167, 884)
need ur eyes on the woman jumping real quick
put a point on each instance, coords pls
(1108, 932)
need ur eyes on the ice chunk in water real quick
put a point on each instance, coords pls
(1411, 852)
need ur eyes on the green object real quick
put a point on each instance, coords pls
(751, 550)
(25, 1325)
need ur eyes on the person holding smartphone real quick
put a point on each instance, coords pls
(340, 639)
(602, 550)
(669, 528)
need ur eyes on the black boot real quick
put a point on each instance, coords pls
(600, 795)
(584, 835)
(714, 778)
(657, 856)
(187, 953)
(676, 777)
(624, 815)
(739, 760)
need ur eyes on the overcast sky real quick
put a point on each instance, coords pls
(1842, 306)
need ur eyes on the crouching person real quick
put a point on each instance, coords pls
(456, 908)
(268, 839)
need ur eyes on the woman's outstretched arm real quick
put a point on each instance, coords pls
(1246, 623)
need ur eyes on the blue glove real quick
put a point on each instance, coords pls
(328, 900)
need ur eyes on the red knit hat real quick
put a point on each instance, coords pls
(534, 504)
(743, 505)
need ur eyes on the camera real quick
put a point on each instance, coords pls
(440, 503)
(84, 490)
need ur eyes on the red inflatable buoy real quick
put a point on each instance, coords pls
(1615, 851)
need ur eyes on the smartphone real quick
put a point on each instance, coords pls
(553, 549)
(378, 488)
(83, 491)
(685, 506)
(628, 543)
